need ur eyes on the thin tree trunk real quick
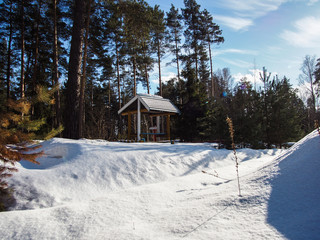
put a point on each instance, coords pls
(146, 67)
(36, 50)
(134, 77)
(9, 53)
(313, 97)
(55, 82)
(147, 78)
(178, 66)
(196, 60)
(177, 55)
(265, 80)
(159, 64)
(211, 73)
(83, 77)
(109, 112)
(22, 81)
(118, 76)
(36, 55)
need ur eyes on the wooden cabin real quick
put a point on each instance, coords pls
(155, 107)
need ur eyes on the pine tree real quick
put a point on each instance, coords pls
(74, 74)
(15, 144)
(212, 34)
(193, 35)
(173, 38)
(158, 36)
(7, 30)
(286, 113)
(137, 27)
(246, 112)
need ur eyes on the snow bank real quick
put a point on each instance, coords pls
(101, 190)
(293, 206)
(80, 170)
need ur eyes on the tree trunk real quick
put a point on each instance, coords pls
(134, 77)
(147, 78)
(55, 78)
(22, 83)
(83, 77)
(36, 51)
(159, 64)
(178, 67)
(36, 56)
(211, 73)
(74, 74)
(118, 75)
(196, 60)
(177, 55)
(9, 53)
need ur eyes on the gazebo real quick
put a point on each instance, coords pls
(154, 106)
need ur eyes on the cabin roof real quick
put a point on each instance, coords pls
(150, 103)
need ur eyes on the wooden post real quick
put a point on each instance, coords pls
(129, 126)
(138, 121)
(168, 127)
(158, 127)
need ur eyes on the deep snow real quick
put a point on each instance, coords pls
(94, 189)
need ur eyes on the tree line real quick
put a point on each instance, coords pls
(101, 50)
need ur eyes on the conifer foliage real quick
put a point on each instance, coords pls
(16, 132)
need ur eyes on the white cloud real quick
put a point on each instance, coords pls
(236, 23)
(165, 78)
(311, 2)
(253, 77)
(243, 13)
(306, 33)
(234, 50)
(237, 62)
(252, 8)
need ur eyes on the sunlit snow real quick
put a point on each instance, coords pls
(94, 189)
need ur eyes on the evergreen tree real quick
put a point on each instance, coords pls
(246, 112)
(3, 51)
(266, 106)
(286, 113)
(193, 35)
(212, 34)
(7, 8)
(173, 37)
(213, 124)
(137, 16)
(193, 108)
(158, 36)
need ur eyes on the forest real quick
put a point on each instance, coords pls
(90, 56)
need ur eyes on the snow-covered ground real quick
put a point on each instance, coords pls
(94, 189)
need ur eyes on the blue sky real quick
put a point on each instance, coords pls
(277, 34)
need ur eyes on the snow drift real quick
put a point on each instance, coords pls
(94, 189)
(293, 206)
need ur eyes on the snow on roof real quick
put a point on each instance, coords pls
(151, 103)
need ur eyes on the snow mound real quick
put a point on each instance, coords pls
(80, 170)
(93, 189)
(293, 206)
